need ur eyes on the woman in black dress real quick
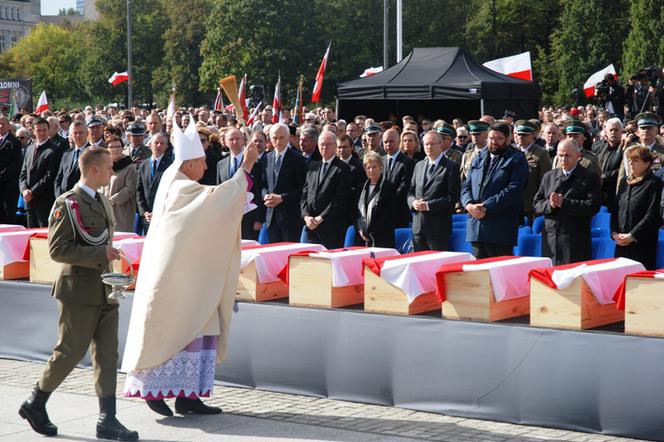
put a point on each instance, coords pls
(635, 218)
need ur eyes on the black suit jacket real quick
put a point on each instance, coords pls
(381, 204)
(146, 186)
(357, 179)
(288, 184)
(223, 174)
(400, 175)
(38, 175)
(68, 172)
(11, 160)
(315, 156)
(441, 191)
(61, 142)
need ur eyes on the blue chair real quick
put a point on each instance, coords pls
(459, 217)
(403, 240)
(262, 235)
(526, 221)
(661, 234)
(600, 233)
(304, 236)
(525, 230)
(603, 248)
(349, 240)
(603, 209)
(601, 220)
(660, 252)
(458, 241)
(538, 224)
(529, 244)
(456, 225)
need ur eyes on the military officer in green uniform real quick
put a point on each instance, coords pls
(578, 131)
(648, 125)
(538, 162)
(479, 130)
(80, 237)
(448, 133)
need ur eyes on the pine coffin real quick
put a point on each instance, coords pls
(43, 270)
(382, 297)
(644, 306)
(310, 281)
(249, 289)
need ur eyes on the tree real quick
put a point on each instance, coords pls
(68, 12)
(643, 46)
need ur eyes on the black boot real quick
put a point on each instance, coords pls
(194, 406)
(34, 410)
(159, 407)
(108, 426)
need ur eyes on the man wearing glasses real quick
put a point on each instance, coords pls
(10, 167)
(462, 138)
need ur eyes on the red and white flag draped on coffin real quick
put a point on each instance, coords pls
(517, 66)
(589, 85)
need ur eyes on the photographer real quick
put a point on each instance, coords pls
(641, 99)
(612, 94)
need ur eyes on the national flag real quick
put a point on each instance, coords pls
(589, 85)
(276, 102)
(254, 114)
(170, 111)
(42, 104)
(242, 97)
(219, 101)
(517, 66)
(118, 77)
(297, 114)
(318, 87)
(368, 72)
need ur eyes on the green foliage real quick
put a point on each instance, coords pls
(68, 12)
(643, 46)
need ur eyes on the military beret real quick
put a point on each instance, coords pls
(477, 126)
(524, 127)
(646, 119)
(575, 127)
(447, 129)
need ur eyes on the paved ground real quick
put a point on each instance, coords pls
(251, 415)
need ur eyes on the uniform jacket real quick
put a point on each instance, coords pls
(538, 164)
(587, 160)
(139, 154)
(501, 192)
(79, 229)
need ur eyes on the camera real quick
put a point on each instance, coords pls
(652, 74)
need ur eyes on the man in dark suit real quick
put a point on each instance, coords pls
(36, 181)
(54, 135)
(69, 174)
(11, 160)
(226, 169)
(568, 197)
(80, 238)
(610, 154)
(358, 176)
(285, 175)
(492, 194)
(434, 190)
(309, 144)
(398, 170)
(326, 196)
(149, 175)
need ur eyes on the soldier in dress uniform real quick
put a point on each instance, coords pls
(80, 237)
(136, 149)
(578, 131)
(448, 133)
(479, 130)
(538, 162)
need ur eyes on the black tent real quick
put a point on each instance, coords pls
(437, 83)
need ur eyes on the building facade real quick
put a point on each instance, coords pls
(17, 17)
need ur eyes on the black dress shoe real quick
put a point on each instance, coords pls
(34, 411)
(159, 407)
(108, 427)
(194, 406)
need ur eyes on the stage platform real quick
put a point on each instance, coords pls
(595, 381)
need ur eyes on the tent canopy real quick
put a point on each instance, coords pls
(435, 74)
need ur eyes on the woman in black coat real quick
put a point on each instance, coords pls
(635, 218)
(377, 205)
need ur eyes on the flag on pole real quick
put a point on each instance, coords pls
(118, 77)
(242, 97)
(368, 72)
(589, 85)
(219, 101)
(297, 114)
(42, 104)
(276, 102)
(318, 87)
(254, 114)
(517, 66)
(170, 111)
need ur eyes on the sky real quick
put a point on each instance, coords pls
(51, 7)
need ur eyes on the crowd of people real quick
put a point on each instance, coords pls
(316, 178)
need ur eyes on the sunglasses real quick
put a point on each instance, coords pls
(22, 138)
(462, 137)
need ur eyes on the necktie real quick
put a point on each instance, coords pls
(389, 165)
(322, 172)
(277, 166)
(74, 163)
(37, 149)
(154, 167)
(429, 173)
(234, 166)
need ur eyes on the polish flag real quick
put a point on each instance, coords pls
(589, 85)
(318, 87)
(517, 66)
(371, 71)
(118, 78)
(276, 102)
(219, 101)
(42, 104)
(254, 114)
(242, 97)
(170, 110)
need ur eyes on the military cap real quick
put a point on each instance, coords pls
(447, 129)
(136, 129)
(524, 127)
(575, 127)
(94, 121)
(536, 122)
(373, 129)
(477, 126)
(645, 119)
(509, 114)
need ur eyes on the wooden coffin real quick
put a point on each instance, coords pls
(15, 270)
(382, 297)
(644, 306)
(249, 289)
(43, 270)
(310, 281)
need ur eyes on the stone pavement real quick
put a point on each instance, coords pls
(251, 415)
